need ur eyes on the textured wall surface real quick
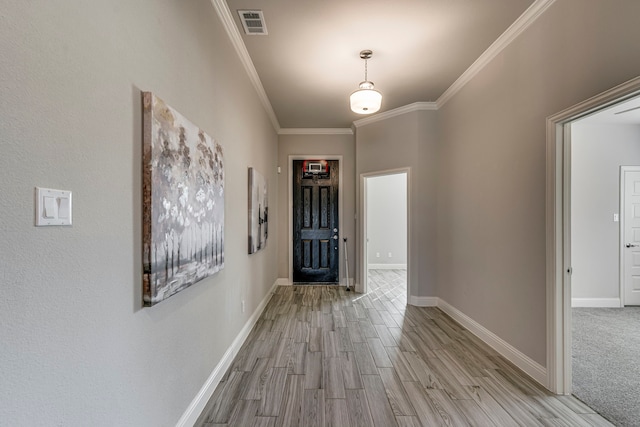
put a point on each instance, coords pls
(491, 180)
(597, 152)
(76, 346)
(387, 219)
(408, 141)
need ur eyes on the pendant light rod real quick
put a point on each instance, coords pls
(366, 54)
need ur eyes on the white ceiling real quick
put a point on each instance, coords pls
(309, 62)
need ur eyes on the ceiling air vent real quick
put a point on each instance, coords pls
(253, 22)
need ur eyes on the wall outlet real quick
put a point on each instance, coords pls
(377, 254)
(390, 256)
(243, 306)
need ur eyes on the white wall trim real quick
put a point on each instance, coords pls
(596, 302)
(361, 229)
(387, 266)
(530, 367)
(236, 40)
(190, 416)
(423, 301)
(315, 131)
(522, 361)
(352, 282)
(283, 281)
(558, 243)
(416, 106)
(518, 27)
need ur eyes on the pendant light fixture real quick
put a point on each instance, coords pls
(365, 100)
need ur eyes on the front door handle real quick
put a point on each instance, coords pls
(629, 245)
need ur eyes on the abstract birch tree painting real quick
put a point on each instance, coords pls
(183, 202)
(258, 211)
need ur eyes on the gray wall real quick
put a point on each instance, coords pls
(339, 145)
(387, 220)
(75, 343)
(76, 348)
(491, 181)
(597, 152)
(408, 140)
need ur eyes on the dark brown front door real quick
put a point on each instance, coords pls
(315, 221)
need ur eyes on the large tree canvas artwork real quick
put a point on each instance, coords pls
(183, 202)
(258, 211)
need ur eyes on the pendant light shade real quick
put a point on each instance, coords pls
(366, 100)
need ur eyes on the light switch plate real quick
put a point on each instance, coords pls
(53, 207)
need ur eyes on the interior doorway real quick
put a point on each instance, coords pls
(605, 190)
(605, 260)
(385, 256)
(559, 230)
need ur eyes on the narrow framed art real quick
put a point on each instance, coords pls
(183, 202)
(258, 211)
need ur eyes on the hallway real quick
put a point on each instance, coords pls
(322, 356)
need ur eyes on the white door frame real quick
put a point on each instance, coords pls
(363, 261)
(340, 204)
(558, 228)
(622, 273)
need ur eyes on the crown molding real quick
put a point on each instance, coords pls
(416, 106)
(518, 27)
(315, 131)
(222, 9)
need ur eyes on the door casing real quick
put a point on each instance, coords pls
(340, 207)
(362, 286)
(558, 227)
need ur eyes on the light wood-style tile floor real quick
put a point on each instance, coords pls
(321, 356)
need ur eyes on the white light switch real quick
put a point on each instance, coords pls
(53, 207)
(616, 218)
(50, 206)
(63, 210)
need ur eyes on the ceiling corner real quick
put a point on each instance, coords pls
(222, 9)
(522, 23)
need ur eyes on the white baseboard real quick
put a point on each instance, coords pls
(423, 301)
(522, 361)
(386, 266)
(283, 281)
(352, 282)
(196, 407)
(529, 366)
(596, 302)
